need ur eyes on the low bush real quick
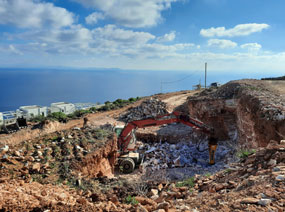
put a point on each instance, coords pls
(131, 200)
(101, 134)
(58, 116)
(186, 183)
(245, 153)
(119, 103)
(38, 119)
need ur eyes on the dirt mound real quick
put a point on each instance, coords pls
(147, 109)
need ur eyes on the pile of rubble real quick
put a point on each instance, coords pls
(183, 159)
(147, 109)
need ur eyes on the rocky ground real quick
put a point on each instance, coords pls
(256, 183)
(71, 167)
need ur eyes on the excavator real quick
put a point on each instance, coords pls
(129, 159)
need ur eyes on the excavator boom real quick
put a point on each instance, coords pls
(175, 117)
(128, 159)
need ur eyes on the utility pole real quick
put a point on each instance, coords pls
(205, 75)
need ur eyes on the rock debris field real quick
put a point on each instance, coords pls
(184, 159)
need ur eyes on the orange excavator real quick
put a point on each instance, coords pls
(128, 159)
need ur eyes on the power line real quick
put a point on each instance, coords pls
(175, 81)
(168, 82)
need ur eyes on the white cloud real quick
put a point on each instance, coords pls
(33, 14)
(131, 13)
(238, 30)
(251, 46)
(74, 39)
(107, 41)
(167, 37)
(113, 33)
(94, 18)
(223, 44)
(13, 49)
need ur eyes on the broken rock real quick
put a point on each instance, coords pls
(264, 202)
(280, 178)
(36, 167)
(4, 149)
(249, 200)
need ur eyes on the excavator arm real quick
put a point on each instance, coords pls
(176, 117)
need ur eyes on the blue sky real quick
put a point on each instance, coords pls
(239, 36)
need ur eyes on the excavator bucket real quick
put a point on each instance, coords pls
(213, 143)
(212, 151)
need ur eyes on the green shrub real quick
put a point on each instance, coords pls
(228, 170)
(245, 153)
(118, 103)
(38, 119)
(131, 200)
(107, 102)
(106, 107)
(100, 134)
(58, 116)
(80, 113)
(207, 174)
(132, 99)
(188, 183)
(93, 109)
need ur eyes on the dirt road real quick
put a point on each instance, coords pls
(177, 100)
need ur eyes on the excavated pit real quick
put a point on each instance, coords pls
(248, 112)
(176, 152)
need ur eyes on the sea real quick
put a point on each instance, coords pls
(21, 87)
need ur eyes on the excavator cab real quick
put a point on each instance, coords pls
(129, 160)
(118, 130)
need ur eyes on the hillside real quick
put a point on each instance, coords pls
(72, 166)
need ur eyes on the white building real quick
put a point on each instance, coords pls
(1, 120)
(33, 111)
(63, 107)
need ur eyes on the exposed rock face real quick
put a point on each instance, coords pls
(242, 110)
(101, 162)
(147, 109)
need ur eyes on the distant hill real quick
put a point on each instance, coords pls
(274, 78)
